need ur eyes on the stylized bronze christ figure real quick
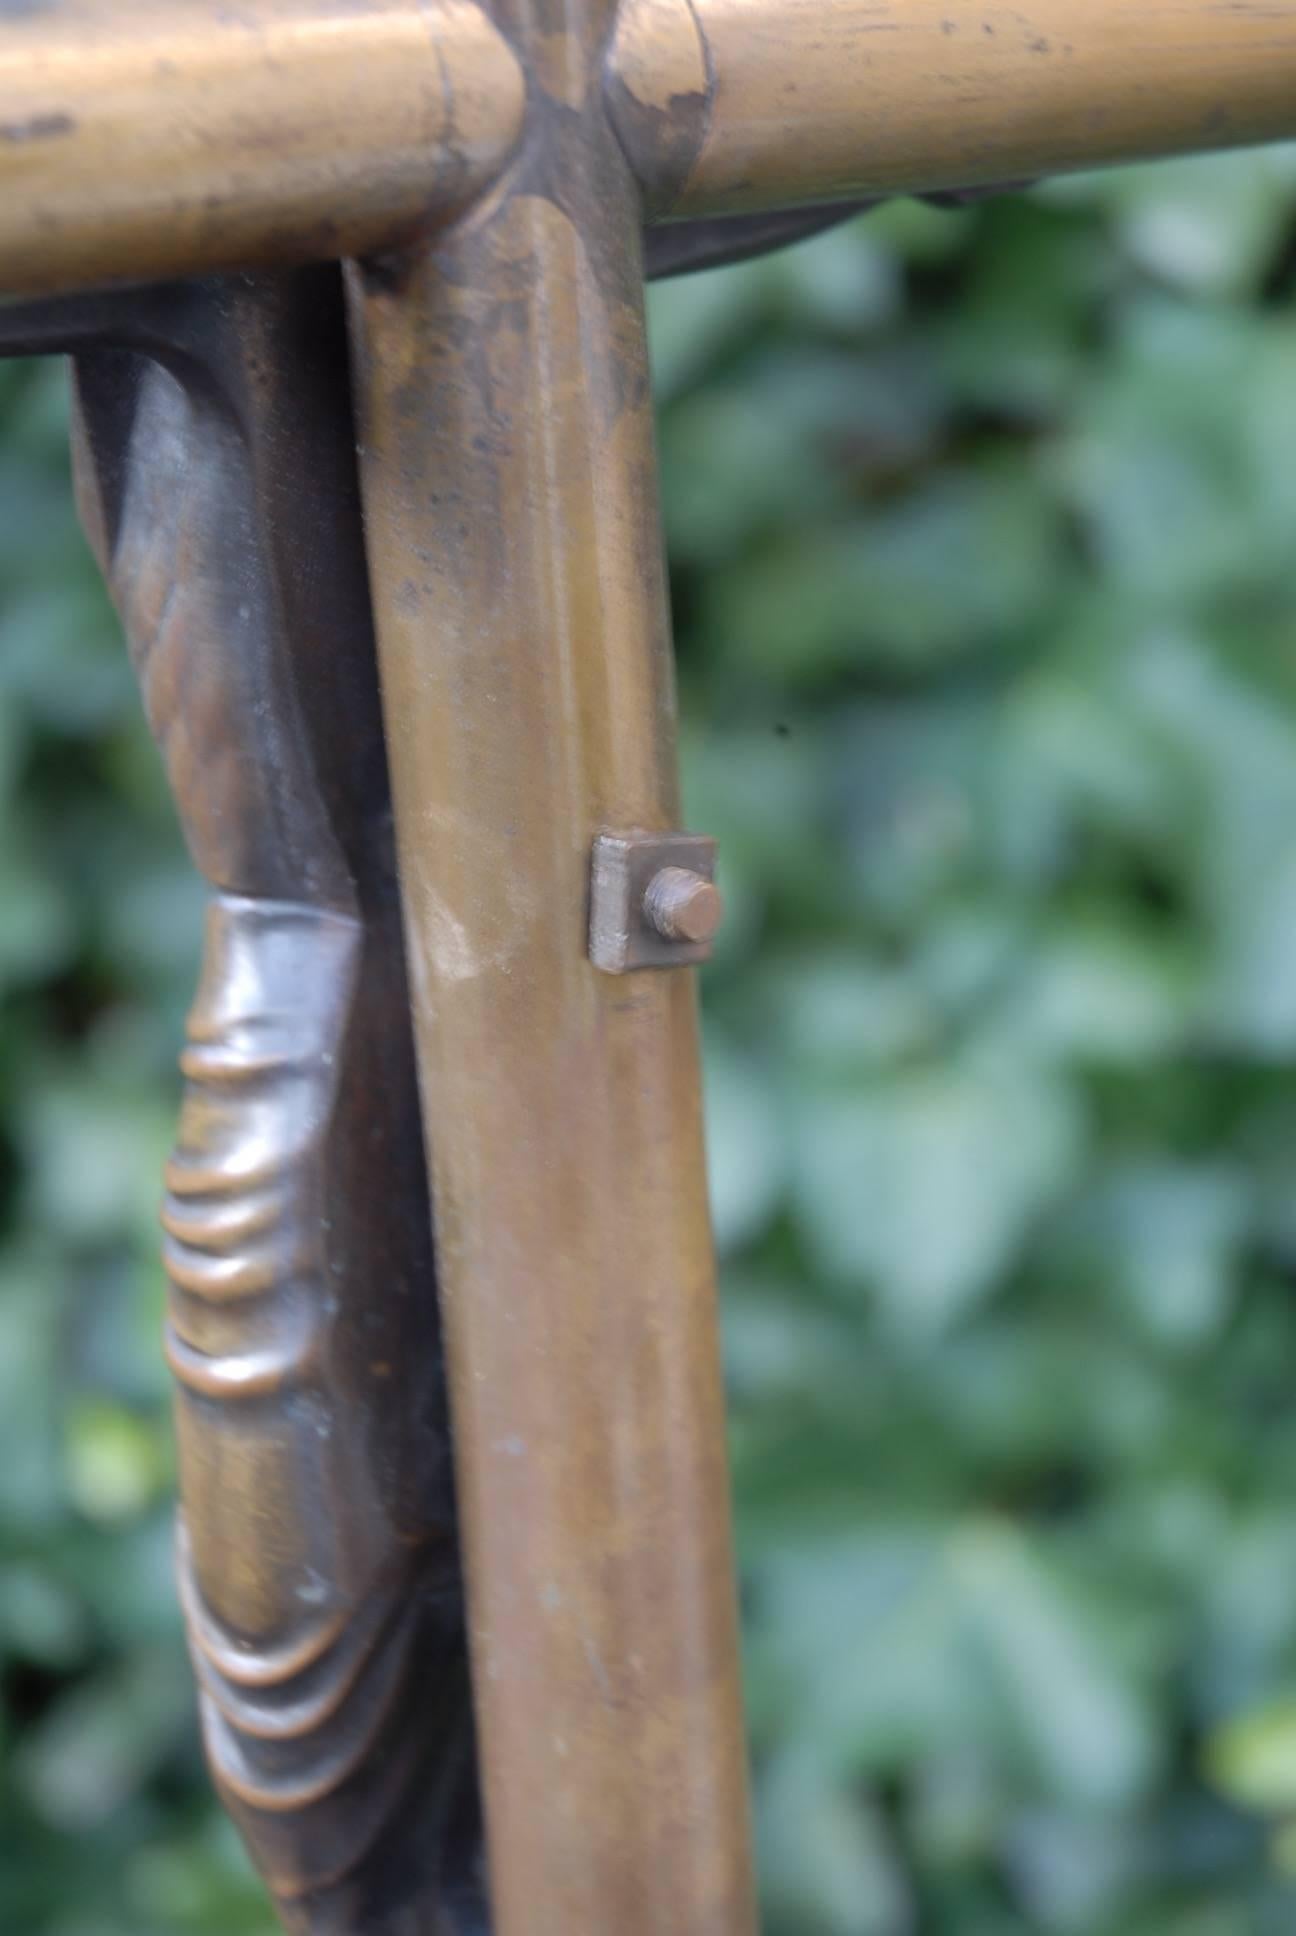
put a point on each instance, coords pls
(215, 473)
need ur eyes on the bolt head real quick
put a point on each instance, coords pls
(683, 906)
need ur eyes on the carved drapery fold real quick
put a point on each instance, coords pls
(317, 1553)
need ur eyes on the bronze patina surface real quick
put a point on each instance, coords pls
(493, 173)
(176, 136)
(318, 1565)
(147, 138)
(727, 105)
(505, 419)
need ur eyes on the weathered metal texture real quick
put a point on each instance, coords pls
(171, 137)
(729, 105)
(653, 902)
(510, 491)
(318, 1555)
(508, 471)
(174, 137)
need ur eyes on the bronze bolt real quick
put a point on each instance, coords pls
(683, 906)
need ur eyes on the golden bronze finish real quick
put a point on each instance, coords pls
(163, 137)
(510, 492)
(171, 137)
(747, 104)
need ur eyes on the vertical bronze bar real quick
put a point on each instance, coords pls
(510, 491)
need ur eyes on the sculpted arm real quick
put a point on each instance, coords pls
(317, 1555)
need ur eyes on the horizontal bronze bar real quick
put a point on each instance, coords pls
(173, 137)
(169, 137)
(729, 105)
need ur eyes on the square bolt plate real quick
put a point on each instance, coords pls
(621, 935)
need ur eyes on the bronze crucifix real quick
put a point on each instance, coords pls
(384, 540)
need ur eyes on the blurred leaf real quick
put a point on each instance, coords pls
(1174, 1234)
(941, 572)
(92, 1753)
(1208, 223)
(926, 1187)
(745, 1147)
(1089, 1737)
(1253, 1760)
(828, 1855)
(114, 1468)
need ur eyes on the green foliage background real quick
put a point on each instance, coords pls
(983, 529)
